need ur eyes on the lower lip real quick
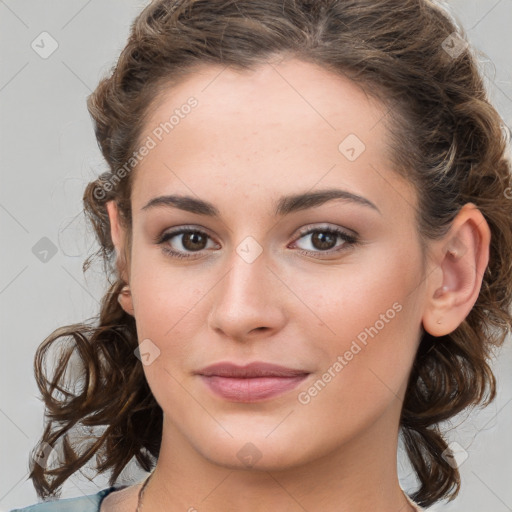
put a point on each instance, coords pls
(251, 390)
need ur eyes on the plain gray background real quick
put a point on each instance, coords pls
(49, 154)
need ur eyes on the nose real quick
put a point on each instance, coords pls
(248, 301)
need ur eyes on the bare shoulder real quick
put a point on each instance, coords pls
(124, 500)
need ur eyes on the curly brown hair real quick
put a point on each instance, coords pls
(448, 140)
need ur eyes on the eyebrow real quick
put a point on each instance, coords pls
(285, 205)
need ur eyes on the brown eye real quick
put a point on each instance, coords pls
(325, 241)
(183, 242)
(194, 241)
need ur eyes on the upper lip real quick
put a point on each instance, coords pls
(255, 369)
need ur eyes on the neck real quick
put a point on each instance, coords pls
(358, 476)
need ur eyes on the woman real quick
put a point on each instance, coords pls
(309, 221)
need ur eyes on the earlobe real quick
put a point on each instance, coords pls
(460, 260)
(125, 299)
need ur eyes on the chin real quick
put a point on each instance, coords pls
(255, 449)
(255, 455)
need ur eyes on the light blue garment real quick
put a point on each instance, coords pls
(90, 503)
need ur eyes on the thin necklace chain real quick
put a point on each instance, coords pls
(141, 494)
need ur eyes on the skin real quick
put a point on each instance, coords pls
(254, 137)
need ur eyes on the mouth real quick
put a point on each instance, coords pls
(254, 382)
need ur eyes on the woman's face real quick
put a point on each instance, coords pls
(268, 278)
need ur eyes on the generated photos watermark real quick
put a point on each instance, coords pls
(304, 397)
(157, 135)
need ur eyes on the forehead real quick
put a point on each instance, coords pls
(292, 93)
(277, 127)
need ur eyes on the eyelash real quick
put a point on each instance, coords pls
(350, 240)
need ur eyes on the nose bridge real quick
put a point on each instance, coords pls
(247, 297)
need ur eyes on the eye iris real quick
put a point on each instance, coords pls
(324, 240)
(193, 237)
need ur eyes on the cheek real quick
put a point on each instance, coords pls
(372, 314)
(367, 290)
(165, 297)
(166, 307)
(167, 304)
(366, 367)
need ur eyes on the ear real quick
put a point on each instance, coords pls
(459, 262)
(117, 234)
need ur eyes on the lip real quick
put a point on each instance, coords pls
(253, 382)
(251, 370)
